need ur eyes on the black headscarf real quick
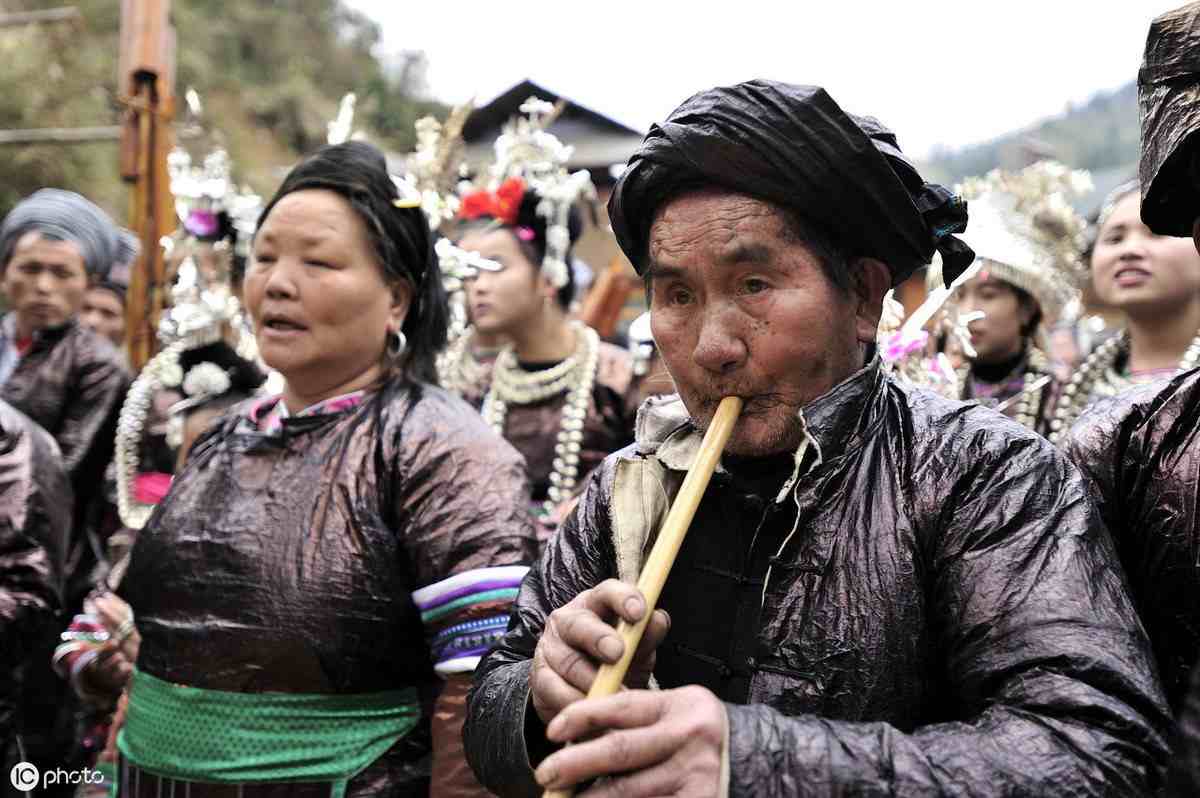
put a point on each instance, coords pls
(793, 146)
(1169, 96)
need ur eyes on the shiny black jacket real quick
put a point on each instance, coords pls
(287, 563)
(948, 619)
(35, 519)
(72, 382)
(1184, 778)
(1141, 453)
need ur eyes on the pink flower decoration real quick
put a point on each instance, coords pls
(898, 348)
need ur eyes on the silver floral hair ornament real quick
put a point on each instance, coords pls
(202, 383)
(526, 150)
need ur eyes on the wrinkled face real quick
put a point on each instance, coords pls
(316, 293)
(739, 307)
(44, 282)
(503, 301)
(104, 314)
(1140, 272)
(997, 336)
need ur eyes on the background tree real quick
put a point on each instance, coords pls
(270, 75)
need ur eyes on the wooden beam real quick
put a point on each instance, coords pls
(50, 15)
(60, 135)
(79, 135)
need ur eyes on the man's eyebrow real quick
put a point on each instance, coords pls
(748, 252)
(660, 271)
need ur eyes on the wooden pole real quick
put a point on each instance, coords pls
(658, 565)
(147, 74)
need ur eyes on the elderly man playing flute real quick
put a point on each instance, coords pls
(882, 592)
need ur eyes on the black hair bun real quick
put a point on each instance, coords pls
(245, 377)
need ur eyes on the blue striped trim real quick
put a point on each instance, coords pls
(480, 637)
(500, 621)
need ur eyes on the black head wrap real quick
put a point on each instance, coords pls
(1169, 96)
(64, 216)
(793, 146)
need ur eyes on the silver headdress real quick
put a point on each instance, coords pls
(433, 168)
(203, 308)
(1025, 232)
(339, 130)
(527, 151)
(432, 177)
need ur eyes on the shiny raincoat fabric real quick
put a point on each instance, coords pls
(288, 562)
(35, 522)
(795, 147)
(1141, 453)
(72, 382)
(1183, 780)
(948, 619)
(1169, 97)
(608, 426)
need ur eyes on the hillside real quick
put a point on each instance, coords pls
(1101, 136)
(270, 76)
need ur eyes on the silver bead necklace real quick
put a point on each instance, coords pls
(1097, 376)
(576, 375)
(1032, 390)
(458, 370)
(163, 371)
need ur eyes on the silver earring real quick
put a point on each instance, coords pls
(397, 343)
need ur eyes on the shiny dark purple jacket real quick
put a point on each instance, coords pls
(72, 383)
(35, 520)
(950, 619)
(1141, 454)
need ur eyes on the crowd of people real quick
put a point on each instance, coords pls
(367, 521)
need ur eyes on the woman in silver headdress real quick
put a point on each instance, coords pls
(1154, 281)
(1026, 239)
(560, 395)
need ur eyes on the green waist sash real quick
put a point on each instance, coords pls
(193, 734)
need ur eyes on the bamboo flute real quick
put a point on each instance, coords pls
(666, 548)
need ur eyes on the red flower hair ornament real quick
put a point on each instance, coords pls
(501, 204)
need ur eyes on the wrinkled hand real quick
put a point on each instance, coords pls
(652, 742)
(581, 634)
(111, 610)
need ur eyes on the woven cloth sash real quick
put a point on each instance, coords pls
(193, 734)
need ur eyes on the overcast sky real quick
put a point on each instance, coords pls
(937, 71)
